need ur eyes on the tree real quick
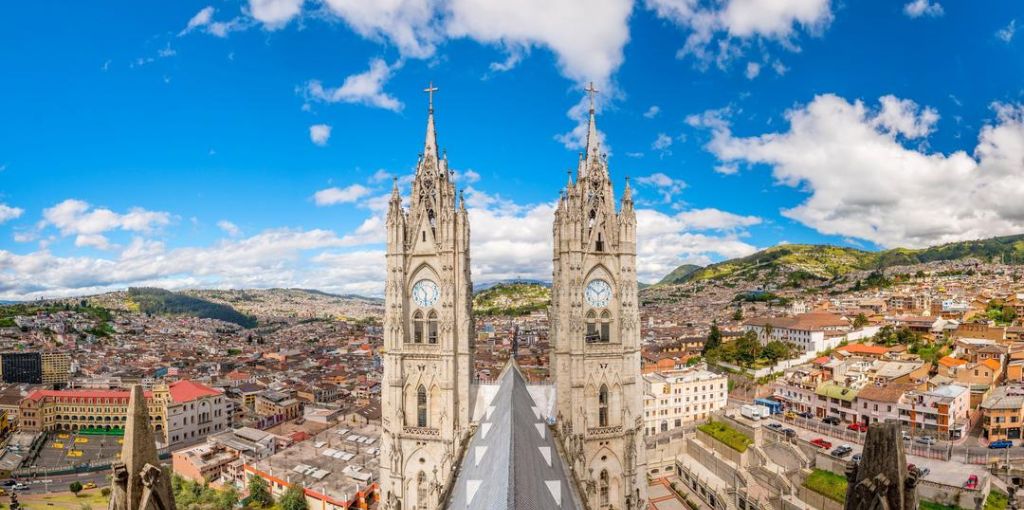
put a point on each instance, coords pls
(75, 487)
(776, 351)
(227, 498)
(714, 338)
(294, 498)
(259, 493)
(748, 349)
(738, 314)
(860, 321)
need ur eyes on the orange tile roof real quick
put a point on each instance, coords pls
(185, 390)
(949, 361)
(864, 349)
(993, 364)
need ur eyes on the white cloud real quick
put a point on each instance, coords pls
(864, 182)
(662, 142)
(319, 134)
(919, 8)
(468, 177)
(274, 14)
(1006, 33)
(78, 217)
(664, 185)
(98, 241)
(8, 213)
(363, 88)
(410, 25)
(590, 54)
(664, 242)
(201, 18)
(720, 30)
(753, 69)
(229, 228)
(335, 195)
(652, 112)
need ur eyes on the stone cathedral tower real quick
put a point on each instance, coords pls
(595, 331)
(428, 334)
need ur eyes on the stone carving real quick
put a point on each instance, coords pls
(880, 481)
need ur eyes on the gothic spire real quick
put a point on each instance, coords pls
(627, 193)
(430, 144)
(593, 142)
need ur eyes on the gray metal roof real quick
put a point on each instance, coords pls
(512, 462)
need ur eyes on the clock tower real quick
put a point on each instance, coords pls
(428, 335)
(595, 332)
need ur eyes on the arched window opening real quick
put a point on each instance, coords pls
(593, 218)
(421, 490)
(603, 488)
(664, 426)
(431, 218)
(417, 327)
(432, 327)
(424, 236)
(606, 326)
(592, 334)
(421, 406)
(602, 406)
(600, 243)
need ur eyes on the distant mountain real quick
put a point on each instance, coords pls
(815, 261)
(164, 302)
(679, 274)
(482, 286)
(518, 298)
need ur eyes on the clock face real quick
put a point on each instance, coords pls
(425, 293)
(598, 293)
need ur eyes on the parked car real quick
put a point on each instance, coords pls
(831, 420)
(906, 437)
(20, 487)
(972, 482)
(821, 443)
(790, 415)
(789, 432)
(1000, 444)
(858, 426)
(89, 485)
(805, 414)
(774, 426)
(856, 458)
(929, 440)
(8, 483)
(842, 451)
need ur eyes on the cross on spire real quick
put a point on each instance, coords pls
(590, 90)
(430, 94)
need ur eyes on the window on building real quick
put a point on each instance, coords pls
(606, 325)
(592, 333)
(432, 327)
(603, 488)
(421, 407)
(602, 406)
(417, 327)
(422, 489)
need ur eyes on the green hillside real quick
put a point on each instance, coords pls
(511, 299)
(679, 274)
(814, 261)
(163, 302)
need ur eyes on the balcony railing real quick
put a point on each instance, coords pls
(604, 431)
(422, 431)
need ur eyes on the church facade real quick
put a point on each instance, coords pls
(448, 442)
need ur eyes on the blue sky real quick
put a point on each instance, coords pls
(249, 143)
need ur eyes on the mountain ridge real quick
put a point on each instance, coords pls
(825, 261)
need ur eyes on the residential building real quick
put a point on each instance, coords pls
(678, 397)
(1002, 413)
(276, 403)
(942, 411)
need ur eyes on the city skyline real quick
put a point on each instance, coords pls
(253, 145)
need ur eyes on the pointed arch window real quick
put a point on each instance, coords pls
(421, 490)
(432, 327)
(593, 335)
(593, 218)
(602, 488)
(417, 327)
(602, 406)
(421, 406)
(599, 247)
(606, 326)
